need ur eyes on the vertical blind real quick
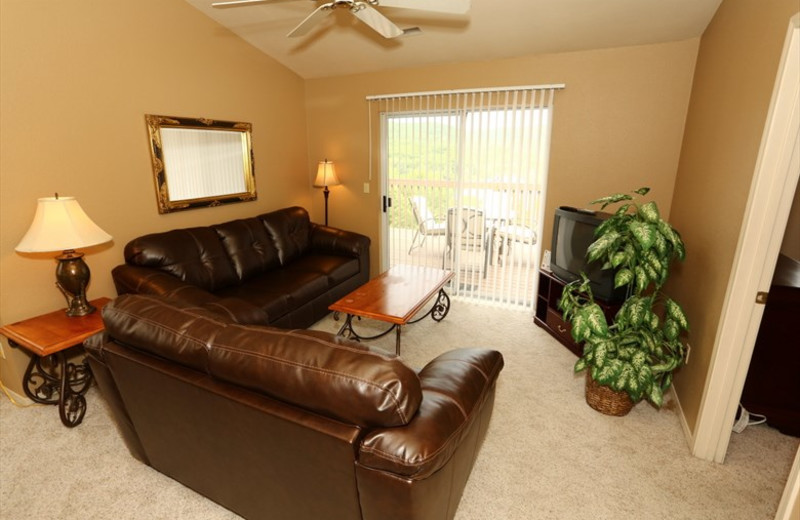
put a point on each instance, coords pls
(466, 173)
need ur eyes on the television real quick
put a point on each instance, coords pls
(573, 232)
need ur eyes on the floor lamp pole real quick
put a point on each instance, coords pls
(326, 191)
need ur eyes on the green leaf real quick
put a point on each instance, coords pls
(637, 311)
(580, 328)
(642, 191)
(618, 259)
(642, 280)
(675, 311)
(580, 365)
(656, 396)
(623, 277)
(612, 199)
(625, 379)
(661, 244)
(601, 353)
(638, 360)
(644, 233)
(622, 210)
(595, 319)
(653, 320)
(599, 247)
(609, 373)
(652, 258)
(649, 212)
(671, 329)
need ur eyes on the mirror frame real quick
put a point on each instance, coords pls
(166, 204)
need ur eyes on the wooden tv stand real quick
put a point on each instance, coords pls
(548, 316)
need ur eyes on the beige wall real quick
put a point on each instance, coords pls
(736, 70)
(617, 126)
(77, 79)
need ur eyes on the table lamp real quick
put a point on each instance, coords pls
(61, 225)
(326, 176)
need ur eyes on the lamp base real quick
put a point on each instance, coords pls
(72, 277)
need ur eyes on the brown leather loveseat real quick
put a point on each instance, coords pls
(277, 269)
(291, 424)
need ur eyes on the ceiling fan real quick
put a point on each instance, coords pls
(364, 10)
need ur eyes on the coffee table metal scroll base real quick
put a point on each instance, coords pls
(53, 380)
(437, 312)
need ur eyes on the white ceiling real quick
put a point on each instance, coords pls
(492, 29)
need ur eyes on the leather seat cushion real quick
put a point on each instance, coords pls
(280, 291)
(336, 268)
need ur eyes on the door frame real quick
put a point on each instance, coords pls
(769, 202)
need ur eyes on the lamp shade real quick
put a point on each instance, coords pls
(60, 224)
(326, 175)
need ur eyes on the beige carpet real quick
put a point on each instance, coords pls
(547, 454)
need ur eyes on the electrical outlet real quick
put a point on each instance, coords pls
(366, 187)
(688, 352)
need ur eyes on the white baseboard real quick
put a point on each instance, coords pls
(687, 432)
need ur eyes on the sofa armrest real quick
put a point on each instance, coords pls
(455, 388)
(326, 239)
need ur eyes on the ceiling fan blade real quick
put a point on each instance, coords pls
(311, 20)
(439, 6)
(370, 16)
(237, 3)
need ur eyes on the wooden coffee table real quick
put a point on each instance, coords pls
(396, 297)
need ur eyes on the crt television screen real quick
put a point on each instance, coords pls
(573, 240)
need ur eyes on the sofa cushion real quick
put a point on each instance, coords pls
(249, 247)
(316, 371)
(280, 291)
(290, 230)
(337, 269)
(194, 255)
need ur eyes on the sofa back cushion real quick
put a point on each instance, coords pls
(195, 255)
(316, 371)
(249, 247)
(290, 230)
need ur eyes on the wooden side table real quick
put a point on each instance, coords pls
(49, 378)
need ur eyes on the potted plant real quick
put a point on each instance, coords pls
(633, 357)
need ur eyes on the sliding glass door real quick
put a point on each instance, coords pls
(465, 174)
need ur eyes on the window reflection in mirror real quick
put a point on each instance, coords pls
(200, 162)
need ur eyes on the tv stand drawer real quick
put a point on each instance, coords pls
(561, 329)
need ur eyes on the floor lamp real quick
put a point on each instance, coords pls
(326, 176)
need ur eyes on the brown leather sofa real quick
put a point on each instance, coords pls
(277, 269)
(291, 424)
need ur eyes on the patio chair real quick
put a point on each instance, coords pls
(469, 235)
(508, 234)
(427, 224)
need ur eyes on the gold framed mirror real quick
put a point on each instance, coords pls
(200, 162)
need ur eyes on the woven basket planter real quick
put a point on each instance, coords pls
(607, 400)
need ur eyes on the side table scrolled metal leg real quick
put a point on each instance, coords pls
(53, 380)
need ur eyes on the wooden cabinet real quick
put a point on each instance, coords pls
(772, 387)
(549, 317)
